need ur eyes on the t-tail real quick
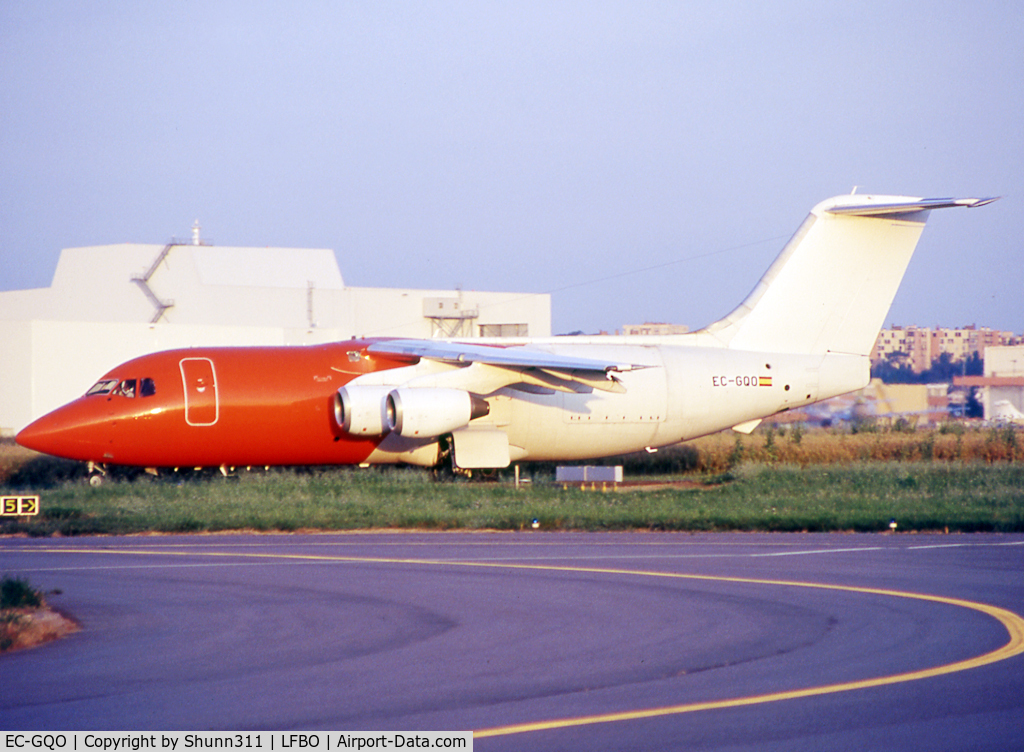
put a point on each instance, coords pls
(830, 289)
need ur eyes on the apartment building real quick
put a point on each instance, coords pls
(919, 346)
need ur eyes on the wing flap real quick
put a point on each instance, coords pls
(484, 369)
(483, 378)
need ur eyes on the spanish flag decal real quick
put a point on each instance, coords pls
(764, 381)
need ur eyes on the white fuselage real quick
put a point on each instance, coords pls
(684, 391)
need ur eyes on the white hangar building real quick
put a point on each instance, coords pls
(110, 303)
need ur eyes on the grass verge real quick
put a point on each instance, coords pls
(858, 496)
(25, 619)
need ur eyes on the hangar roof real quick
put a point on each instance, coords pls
(96, 266)
(194, 283)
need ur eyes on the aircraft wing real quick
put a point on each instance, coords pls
(515, 357)
(484, 368)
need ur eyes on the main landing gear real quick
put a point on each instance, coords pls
(447, 470)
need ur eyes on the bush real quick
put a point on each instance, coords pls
(17, 593)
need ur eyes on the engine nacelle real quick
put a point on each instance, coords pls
(360, 410)
(431, 411)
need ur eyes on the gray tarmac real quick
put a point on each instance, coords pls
(620, 639)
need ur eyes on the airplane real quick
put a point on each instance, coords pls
(802, 335)
(1004, 412)
(865, 408)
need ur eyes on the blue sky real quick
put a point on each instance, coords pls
(640, 162)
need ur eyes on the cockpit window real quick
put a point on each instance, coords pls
(104, 386)
(124, 387)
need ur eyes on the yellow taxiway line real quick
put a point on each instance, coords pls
(1012, 622)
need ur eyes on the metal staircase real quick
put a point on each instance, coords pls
(143, 282)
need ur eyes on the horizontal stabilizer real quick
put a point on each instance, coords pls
(907, 205)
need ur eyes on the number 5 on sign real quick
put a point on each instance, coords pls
(19, 506)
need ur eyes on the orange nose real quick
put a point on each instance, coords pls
(72, 431)
(40, 435)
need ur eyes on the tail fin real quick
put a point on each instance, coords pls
(831, 287)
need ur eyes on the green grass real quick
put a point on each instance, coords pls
(859, 496)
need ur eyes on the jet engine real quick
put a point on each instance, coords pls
(431, 411)
(360, 410)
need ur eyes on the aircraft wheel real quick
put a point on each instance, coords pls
(95, 481)
(489, 475)
(443, 473)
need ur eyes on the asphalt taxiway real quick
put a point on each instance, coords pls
(535, 640)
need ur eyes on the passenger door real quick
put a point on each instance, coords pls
(199, 378)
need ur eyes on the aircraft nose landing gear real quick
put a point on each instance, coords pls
(97, 474)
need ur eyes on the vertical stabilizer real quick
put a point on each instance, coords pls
(831, 287)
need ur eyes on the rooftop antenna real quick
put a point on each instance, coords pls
(195, 233)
